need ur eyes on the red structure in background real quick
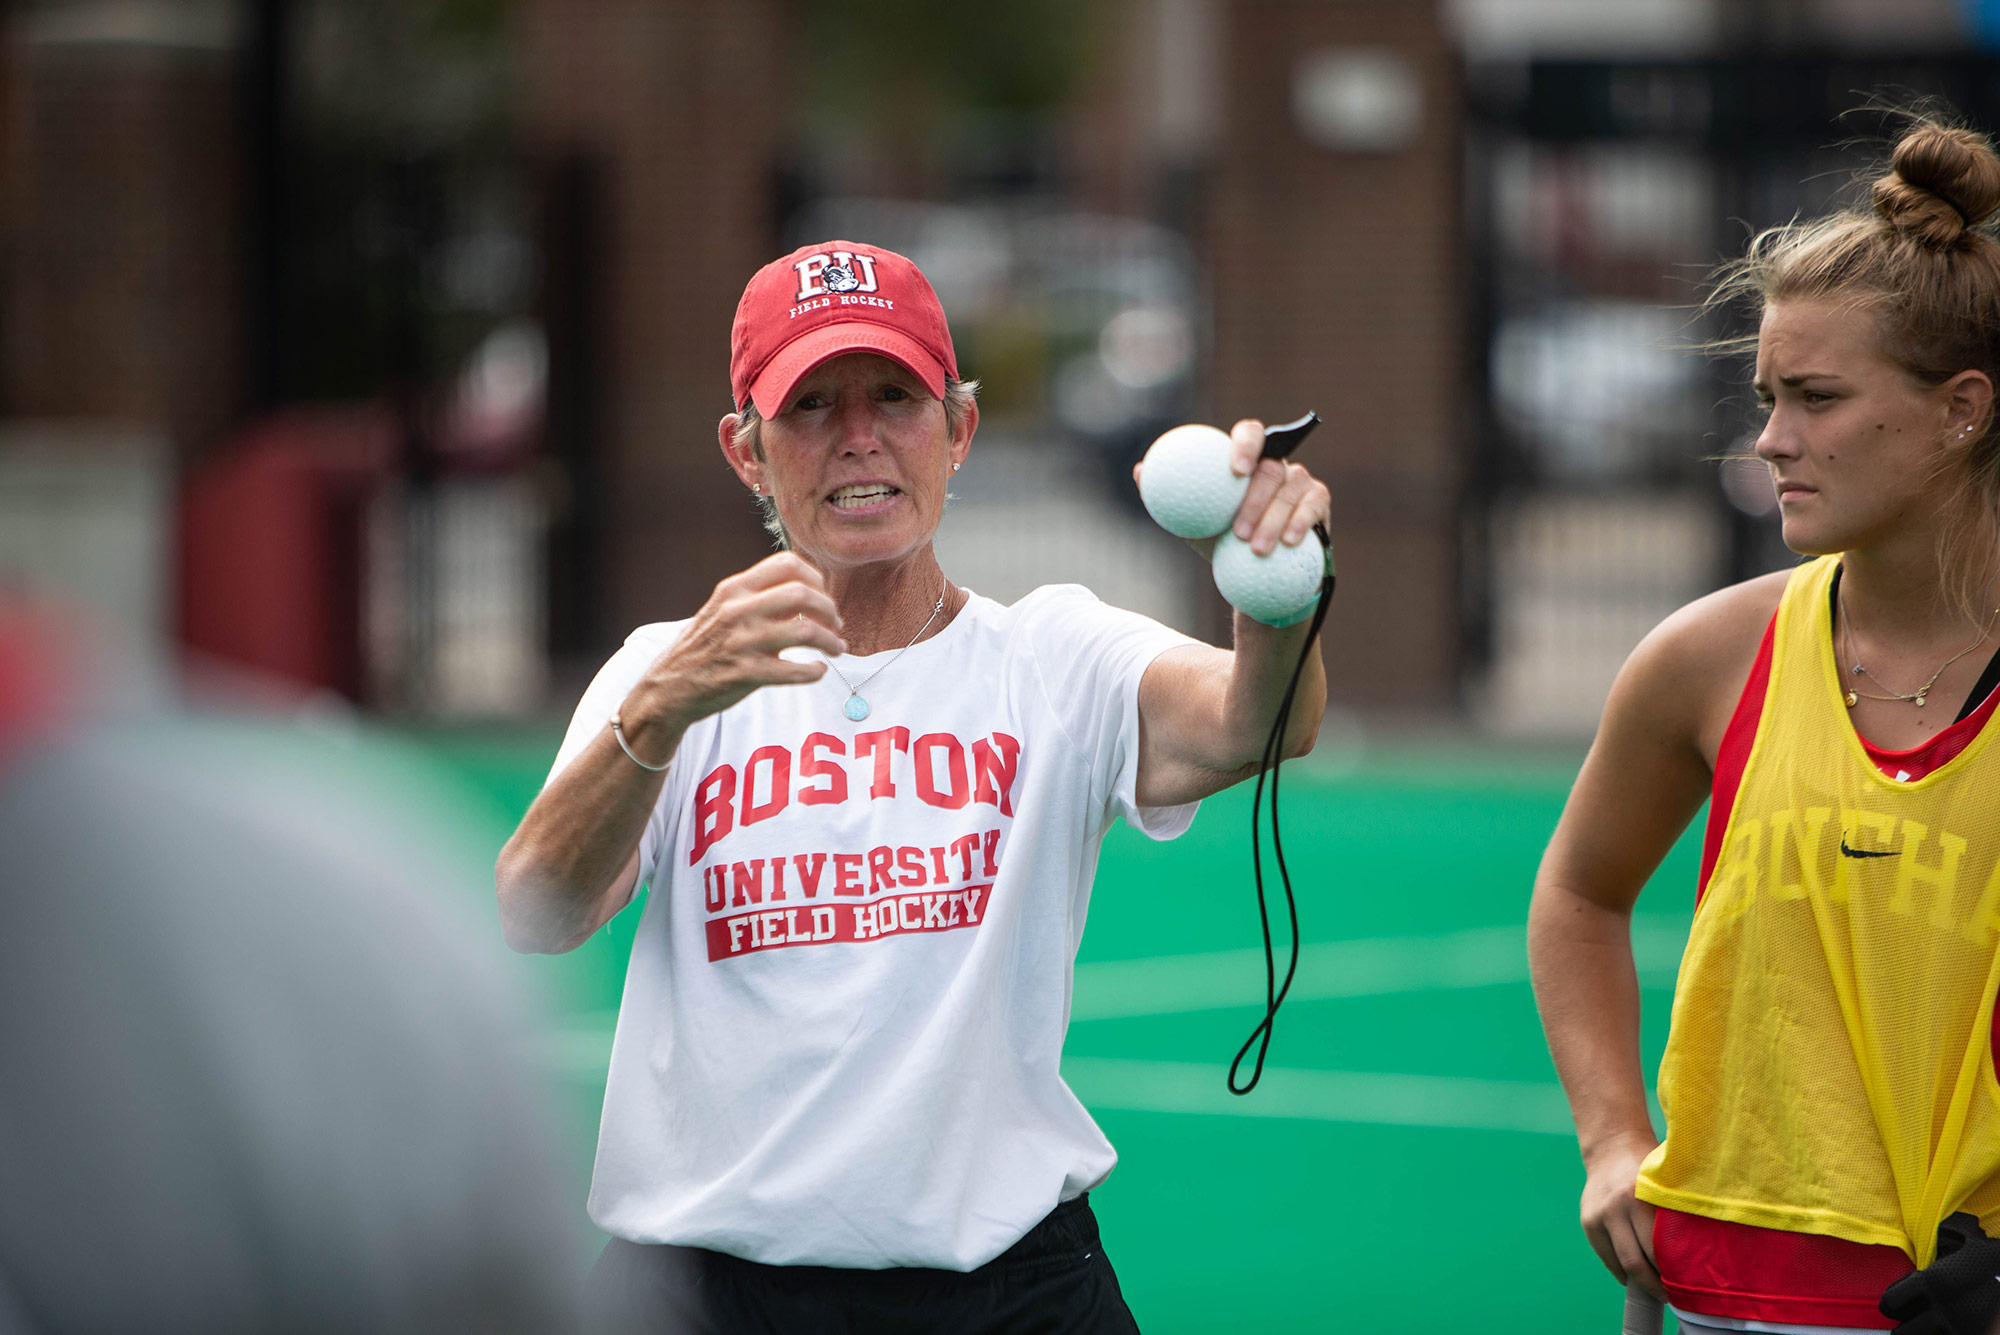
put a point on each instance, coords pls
(40, 664)
(271, 551)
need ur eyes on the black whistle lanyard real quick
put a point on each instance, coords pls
(1279, 442)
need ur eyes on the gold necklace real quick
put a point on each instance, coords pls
(1916, 697)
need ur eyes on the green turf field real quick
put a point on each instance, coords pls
(1407, 1164)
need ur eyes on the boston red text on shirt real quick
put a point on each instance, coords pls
(723, 800)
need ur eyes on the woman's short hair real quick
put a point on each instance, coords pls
(959, 396)
(1922, 263)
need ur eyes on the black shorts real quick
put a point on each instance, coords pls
(1055, 1281)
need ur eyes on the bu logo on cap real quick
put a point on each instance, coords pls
(831, 298)
(835, 271)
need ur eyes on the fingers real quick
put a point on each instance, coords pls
(787, 672)
(738, 641)
(1600, 1242)
(729, 682)
(1283, 503)
(1315, 507)
(779, 602)
(791, 614)
(1622, 1239)
(791, 599)
(1642, 1268)
(1246, 446)
(1265, 483)
(754, 616)
(1634, 1265)
(778, 568)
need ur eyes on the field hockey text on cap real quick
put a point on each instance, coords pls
(827, 299)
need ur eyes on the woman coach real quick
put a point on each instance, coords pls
(869, 804)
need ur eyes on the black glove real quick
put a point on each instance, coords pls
(1956, 1294)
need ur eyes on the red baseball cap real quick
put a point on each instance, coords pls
(827, 299)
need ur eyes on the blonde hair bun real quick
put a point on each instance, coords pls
(1941, 182)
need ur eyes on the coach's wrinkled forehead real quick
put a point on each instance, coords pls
(831, 298)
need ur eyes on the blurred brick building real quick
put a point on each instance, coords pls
(1330, 262)
(1333, 238)
(161, 166)
(123, 222)
(659, 126)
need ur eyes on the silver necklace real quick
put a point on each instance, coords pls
(1916, 697)
(856, 708)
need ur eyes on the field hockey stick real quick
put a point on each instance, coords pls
(1643, 1313)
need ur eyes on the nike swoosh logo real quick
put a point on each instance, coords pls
(1865, 852)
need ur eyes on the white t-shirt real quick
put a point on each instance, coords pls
(844, 1014)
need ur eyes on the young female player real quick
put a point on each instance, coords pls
(1829, 1081)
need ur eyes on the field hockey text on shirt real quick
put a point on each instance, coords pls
(817, 924)
(885, 877)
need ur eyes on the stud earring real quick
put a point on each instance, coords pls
(956, 467)
(757, 487)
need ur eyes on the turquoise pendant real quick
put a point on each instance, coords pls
(856, 708)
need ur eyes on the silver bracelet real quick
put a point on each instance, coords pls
(619, 733)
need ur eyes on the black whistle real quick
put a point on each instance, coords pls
(1280, 441)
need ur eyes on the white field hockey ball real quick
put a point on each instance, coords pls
(1186, 482)
(1280, 589)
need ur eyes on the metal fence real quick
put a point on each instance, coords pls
(1610, 483)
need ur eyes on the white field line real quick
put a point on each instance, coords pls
(1477, 957)
(1123, 989)
(1322, 1096)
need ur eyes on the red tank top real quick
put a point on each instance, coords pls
(1717, 1268)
